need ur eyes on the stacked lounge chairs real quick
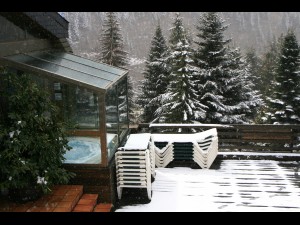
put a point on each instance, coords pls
(201, 147)
(135, 164)
(164, 153)
(136, 161)
(205, 148)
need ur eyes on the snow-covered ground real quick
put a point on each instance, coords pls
(237, 185)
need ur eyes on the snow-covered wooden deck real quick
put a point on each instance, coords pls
(233, 185)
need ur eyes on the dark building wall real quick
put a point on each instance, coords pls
(96, 180)
(10, 32)
(52, 22)
(24, 26)
(32, 31)
(48, 25)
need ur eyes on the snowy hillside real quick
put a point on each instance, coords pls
(248, 29)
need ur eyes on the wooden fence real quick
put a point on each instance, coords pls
(250, 138)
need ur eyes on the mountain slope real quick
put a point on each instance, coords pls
(247, 29)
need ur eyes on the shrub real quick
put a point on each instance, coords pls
(32, 138)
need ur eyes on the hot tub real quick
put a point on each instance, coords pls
(85, 150)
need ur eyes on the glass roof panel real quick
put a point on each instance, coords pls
(100, 66)
(71, 67)
(75, 65)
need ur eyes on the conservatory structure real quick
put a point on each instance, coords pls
(92, 96)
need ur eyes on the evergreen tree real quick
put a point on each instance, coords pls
(132, 105)
(221, 81)
(268, 67)
(156, 77)
(112, 46)
(180, 104)
(286, 105)
(113, 53)
(267, 72)
(254, 65)
(209, 56)
(239, 92)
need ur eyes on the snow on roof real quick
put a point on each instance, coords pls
(137, 142)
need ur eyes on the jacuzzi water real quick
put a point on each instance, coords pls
(84, 150)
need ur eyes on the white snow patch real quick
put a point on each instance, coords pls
(11, 134)
(136, 61)
(276, 154)
(239, 185)
(187, 125)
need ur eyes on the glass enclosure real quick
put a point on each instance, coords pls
(79, 108)
(123, 108)
(92, 98)
(117, 123)
(79, 105)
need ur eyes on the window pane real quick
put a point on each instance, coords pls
(80, 106)
(123, 108)
(112, 120)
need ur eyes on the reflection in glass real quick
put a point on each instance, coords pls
(112, 120)
(78, 106)
(81, 107)
(122, 106)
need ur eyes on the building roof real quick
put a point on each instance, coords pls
(67, 67)
(52, 23)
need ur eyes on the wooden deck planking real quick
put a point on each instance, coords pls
(238, 185)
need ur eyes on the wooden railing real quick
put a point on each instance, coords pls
(250, 138)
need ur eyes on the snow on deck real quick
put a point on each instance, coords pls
(258, 154)
(188, 125)
(237, 185)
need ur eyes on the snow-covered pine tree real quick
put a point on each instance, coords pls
(268, 67)
(112, 45)
(239, 93)
(132, 104)
(267, 73)
(209, 57)
(254, 64)
(220, 80)
(180, 102)
(113, 53)
(286, 104)
(156, 77)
